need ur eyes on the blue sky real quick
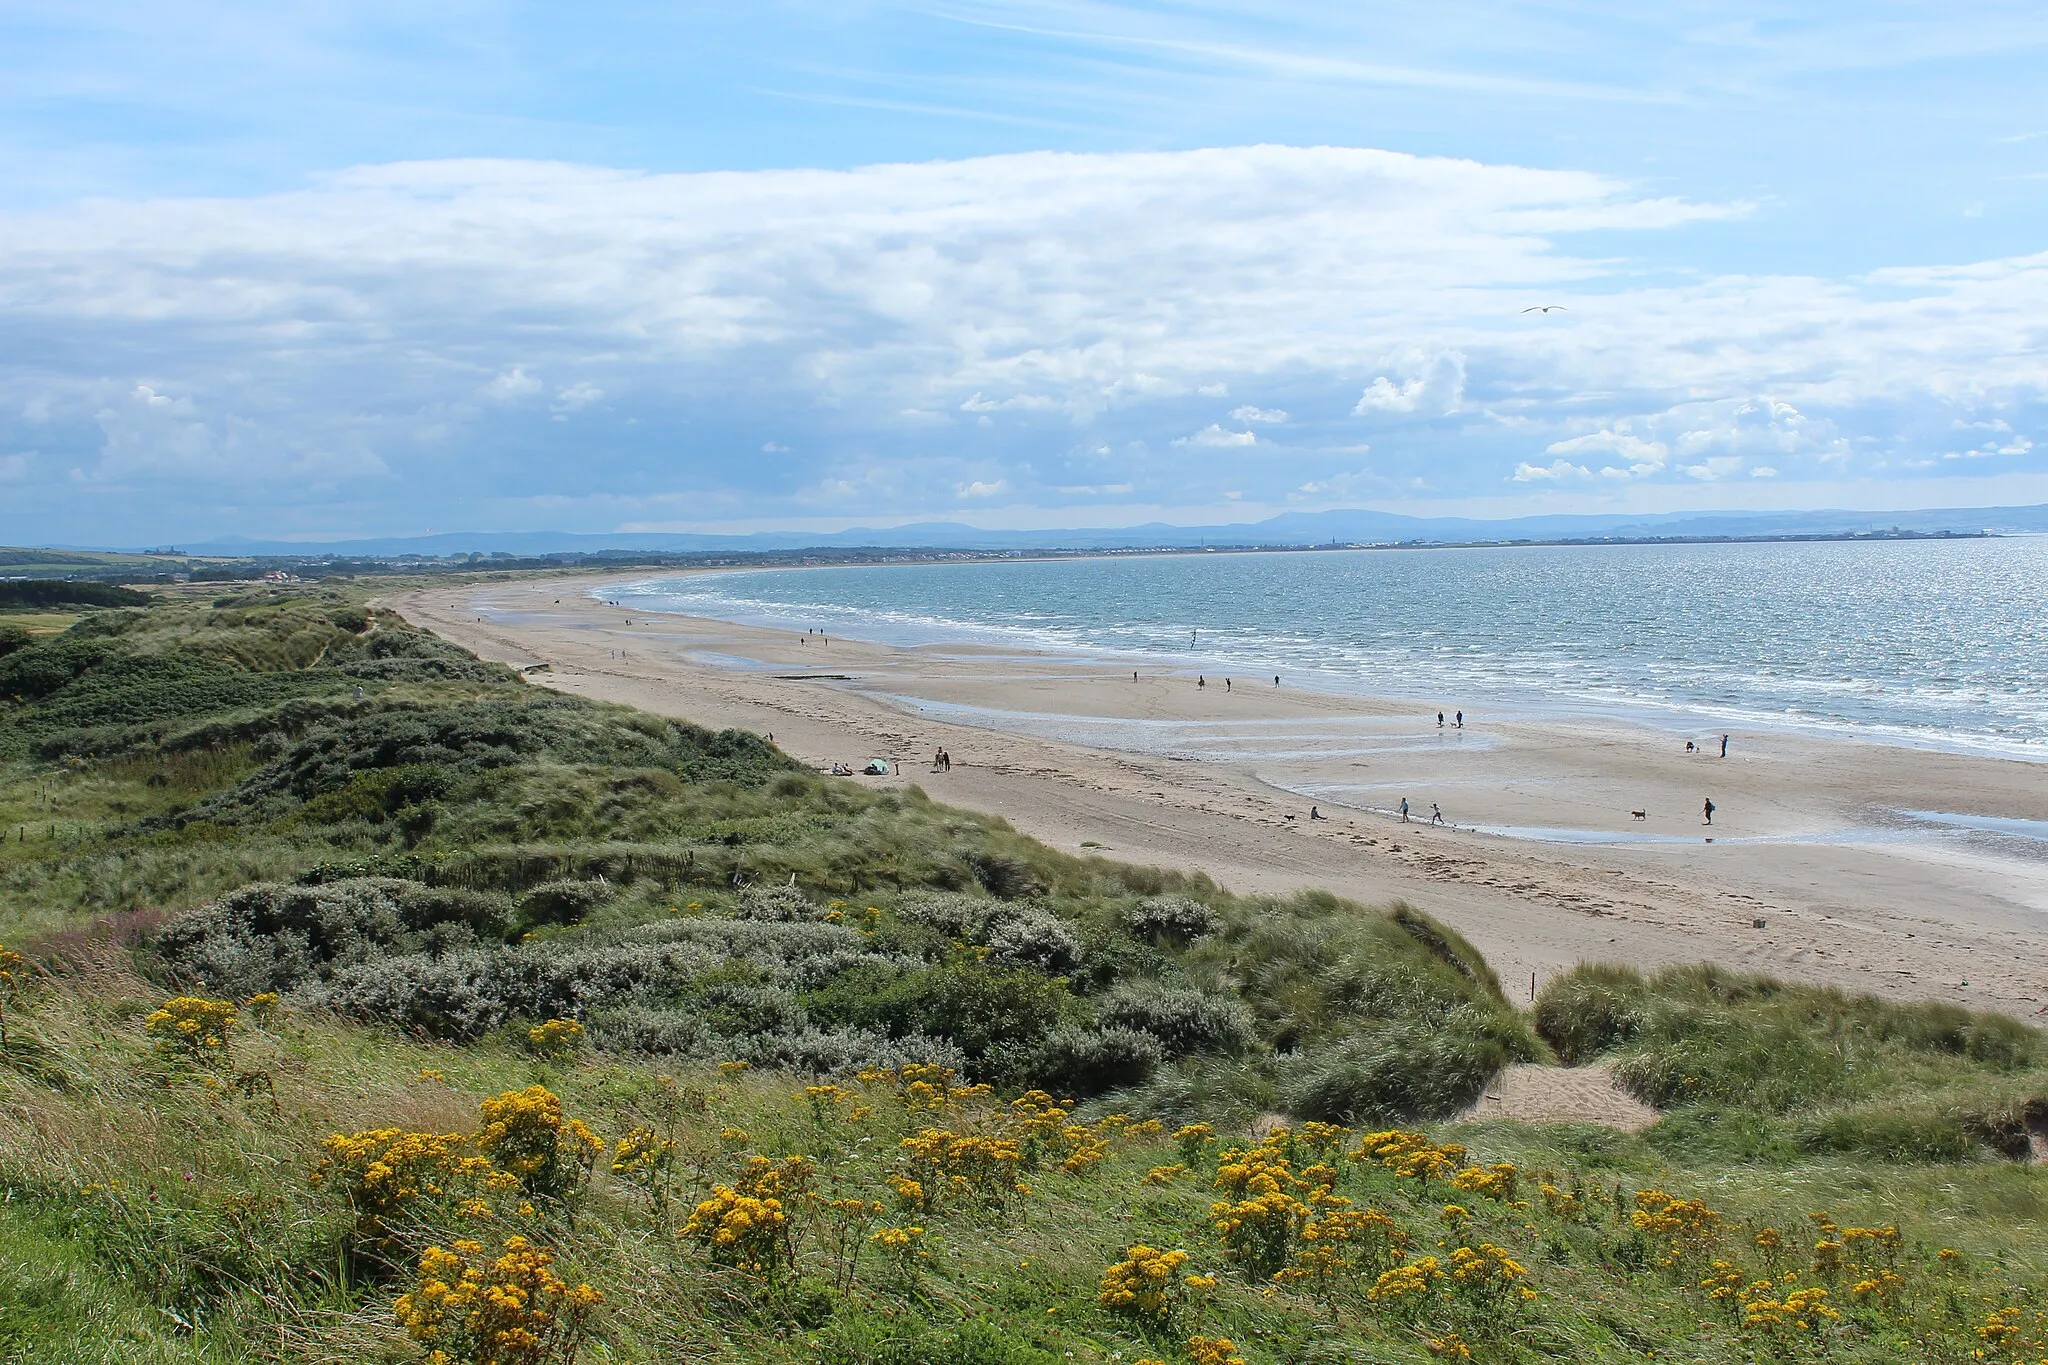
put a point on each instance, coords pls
(381, 268)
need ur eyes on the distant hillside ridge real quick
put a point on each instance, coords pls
(1344, 526)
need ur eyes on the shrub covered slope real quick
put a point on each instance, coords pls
(373, 1003)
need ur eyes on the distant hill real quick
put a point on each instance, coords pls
(1290, 528)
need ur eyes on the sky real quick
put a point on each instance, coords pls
(342, 269)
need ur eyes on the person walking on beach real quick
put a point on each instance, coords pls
(1226, 684)
(1724, 746)
(1404, 808)
(1436, 813)
(1276, 680)
(1461, 720)
(1201, 682)
(1707, 809)
(1439, 720)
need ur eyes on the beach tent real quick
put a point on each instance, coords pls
(877, 767)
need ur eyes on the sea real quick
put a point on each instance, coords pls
(1940, 643)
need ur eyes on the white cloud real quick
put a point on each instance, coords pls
(513, 383)
(1763, 471)
(1557, 471)
(1431, 384)
(983, 489)
(1644, 456)
(1022, 402)
(1248, 413)
(1712, 469)
(1217, 436)
(577, 395)
(773, 448)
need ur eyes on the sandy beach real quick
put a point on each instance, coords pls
(1811, 872)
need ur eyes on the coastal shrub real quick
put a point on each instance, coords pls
(651, 1031)
(1184, 1021)
(1589, 1009)
(563, 902)
(1085, 1062)
(976, 1006)
(1004, 875)
(1178, 920)
(269, 937)
(1404, 1068)
(13, 637)
(1034, 939)
(953, 914)
(781, 903)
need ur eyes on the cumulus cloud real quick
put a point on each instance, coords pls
(1217, 436)
(513, 383)
(1557, 471)
(1419, 382)
(405, 330)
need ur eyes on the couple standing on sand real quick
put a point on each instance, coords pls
(942, 762)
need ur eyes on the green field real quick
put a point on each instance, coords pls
(370, 1002)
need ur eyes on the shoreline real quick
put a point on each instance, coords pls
(1536, 704)
(1938, 919)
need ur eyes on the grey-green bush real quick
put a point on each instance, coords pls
(1183, 1020)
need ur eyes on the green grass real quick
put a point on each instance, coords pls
(1750, 1067)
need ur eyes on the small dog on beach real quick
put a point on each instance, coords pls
(1640, 814)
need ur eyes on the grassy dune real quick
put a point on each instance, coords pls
(365, 1002)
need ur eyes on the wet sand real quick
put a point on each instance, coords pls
(1546, 865)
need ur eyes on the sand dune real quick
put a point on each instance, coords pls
(1807, 838)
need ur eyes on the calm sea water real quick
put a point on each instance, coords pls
(1927, 642)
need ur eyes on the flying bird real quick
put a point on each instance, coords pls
(1548, 308)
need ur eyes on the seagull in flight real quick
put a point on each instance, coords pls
(1548, 308)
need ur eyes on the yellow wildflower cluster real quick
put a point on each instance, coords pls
(1337, 1240)
(1164, 1175)
(1411, 1155)
(1569, 1205)
(383, 1170)
(555, 1038)
(1497, 1181)
(946, 1166)
(1765, 1309)
(645, 1158)
(1408, 1286)
(1488, 1273)
(1685, 1227)
(747, 1223)
(191, 1027)
(1213, 1351)
(265, 1007)
(743, 1230)
(2014, 1333)
(1448, 1346)
(905, 1243)
(525, 1132)
(1148, 1284)
(1276, 1205)
(1192, 1139)
(509, 1309)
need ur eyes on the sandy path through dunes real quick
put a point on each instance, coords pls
(1075, 753)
